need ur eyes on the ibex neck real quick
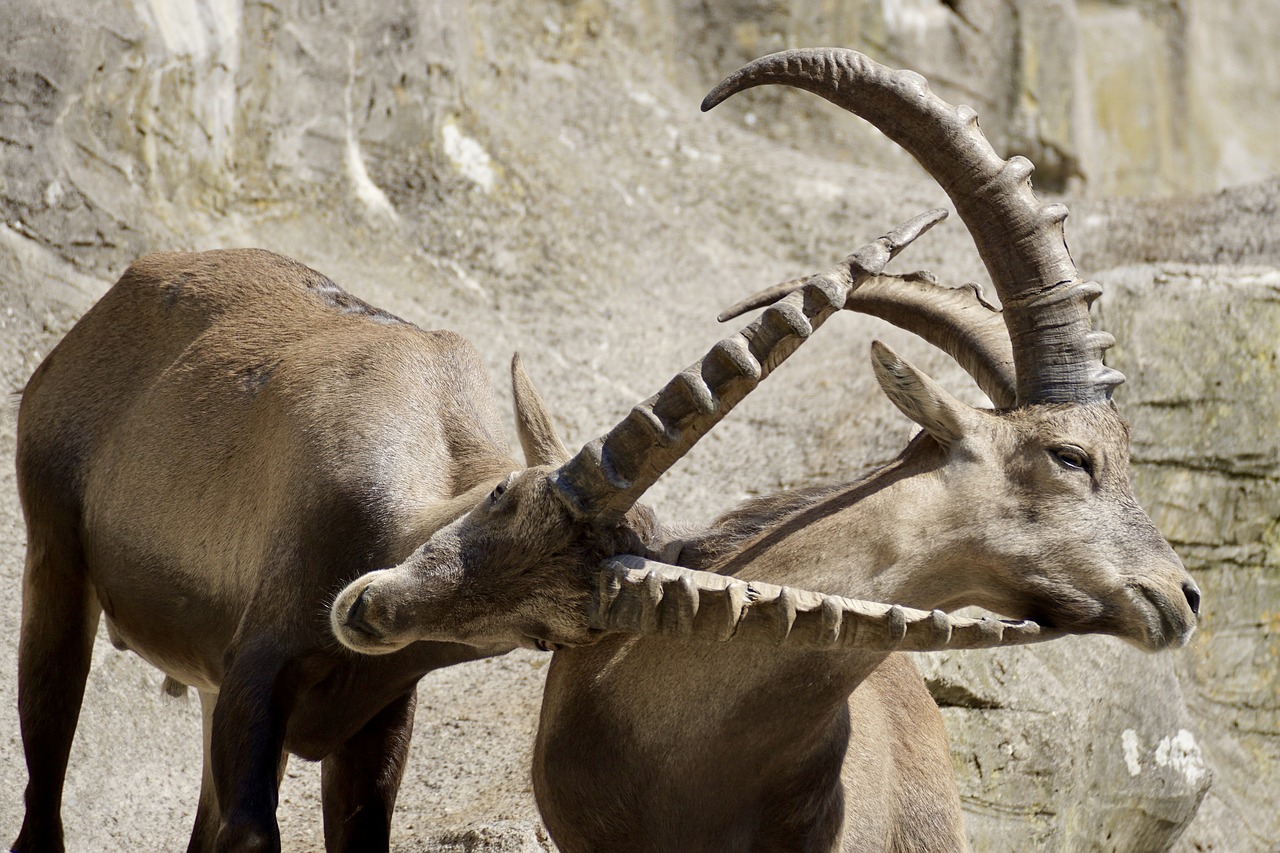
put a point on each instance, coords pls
(885, 537)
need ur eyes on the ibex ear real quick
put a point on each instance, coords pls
(538, 436)
(919, 397)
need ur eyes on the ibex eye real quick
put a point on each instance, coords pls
(1073, 457)
(497, 492)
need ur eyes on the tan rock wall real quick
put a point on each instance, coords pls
(1201, 346)
(537, 176)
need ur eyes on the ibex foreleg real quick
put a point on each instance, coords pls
(246, 744)
(59, 620)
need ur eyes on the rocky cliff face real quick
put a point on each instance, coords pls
(1202, 349)
(536, 175)
(1107, 97)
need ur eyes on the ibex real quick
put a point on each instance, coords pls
(814, 737)
(227, 439)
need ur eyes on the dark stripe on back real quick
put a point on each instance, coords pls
(335, 297)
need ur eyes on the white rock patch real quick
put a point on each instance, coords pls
(468, 156)
(1182, 753)
(1129, 740)
(369, 193)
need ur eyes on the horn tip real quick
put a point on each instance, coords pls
(720, 93)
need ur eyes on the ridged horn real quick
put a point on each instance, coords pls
(610, 473)
(957, 321)
(639, 596)
(1057, 354)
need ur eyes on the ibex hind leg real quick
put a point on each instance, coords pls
(360, 780)
(204, 835)
(59, 620)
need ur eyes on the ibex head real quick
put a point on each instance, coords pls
(1043, 483)
(1043, 524)
(516, 569)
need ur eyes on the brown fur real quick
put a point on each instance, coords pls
(219, 445)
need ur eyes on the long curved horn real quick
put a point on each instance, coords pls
(610, 473)
(957, 321)
(1046, 303)
(639, 596)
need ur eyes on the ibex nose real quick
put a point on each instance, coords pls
(1192, 592)
(356, 615)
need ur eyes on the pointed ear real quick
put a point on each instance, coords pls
(533, 422)
(919, 397)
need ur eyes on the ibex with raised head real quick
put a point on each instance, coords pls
(227, 439)
(817, 738)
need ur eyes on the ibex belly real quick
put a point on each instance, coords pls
(178, 607)
(177, 529)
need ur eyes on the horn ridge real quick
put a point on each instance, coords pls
(1019, 239)
(956, 320)
(639, 596)
(866, 262)
(605, 479)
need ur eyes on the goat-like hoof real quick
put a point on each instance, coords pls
(36, 840)
(247, 839)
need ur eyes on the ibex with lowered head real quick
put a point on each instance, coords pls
(227, 439)
(817, 738)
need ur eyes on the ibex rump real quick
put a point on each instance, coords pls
(811, 739)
